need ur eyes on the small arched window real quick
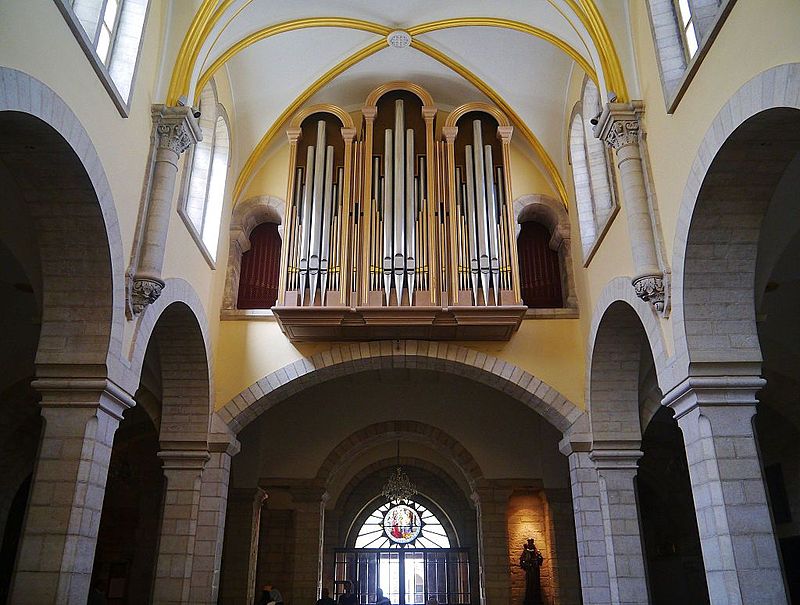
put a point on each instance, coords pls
(591, 172)
(539, 268)
(208, 162)
(258, 282)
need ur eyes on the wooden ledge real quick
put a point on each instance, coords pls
(309, 324)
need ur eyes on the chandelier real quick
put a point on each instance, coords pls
(399, 486)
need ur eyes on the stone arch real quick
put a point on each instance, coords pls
(247, 215)
(382, 432)
(620, 323)
(177, 324)
(552, 214)
(51, 141)
(347, 359)
(714, 318)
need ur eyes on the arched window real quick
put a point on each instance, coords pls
(539, 268)
(400, 525)
(113, 30)
(208, 161)
(591, 174)
(258, 282)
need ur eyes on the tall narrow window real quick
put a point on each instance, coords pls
(205, 194)
(539, 268)
(591, 173)
(258, 282)
(113, 30)
(686, 23)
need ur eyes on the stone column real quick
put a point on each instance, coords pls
(492, 505)
(241, 545)
(309, 528)
(182, 471)
(207, 560)
(176, 130)
(56, 552)
(619, 127)
(561, 546)
(736, 535)
(589, 529)
(616, 470)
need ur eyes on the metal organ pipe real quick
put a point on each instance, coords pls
(491, 207)
(410, 210)
(305, 223)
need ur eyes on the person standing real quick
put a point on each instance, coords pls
(381, 599)
(270, 596)
(326, 598)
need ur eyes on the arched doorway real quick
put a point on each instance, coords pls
(735, 266)
(641, 474)
(322, 454)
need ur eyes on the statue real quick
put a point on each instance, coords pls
(531, 561)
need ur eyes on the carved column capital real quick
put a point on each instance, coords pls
(348, 134)
(618, 126)
(144, 291)
(450, 133)
(293, 134)
(429, 112)
(369, 112)
(504, 133)
(650, 288)
(176, 128)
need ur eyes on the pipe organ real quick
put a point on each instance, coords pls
(396, 232)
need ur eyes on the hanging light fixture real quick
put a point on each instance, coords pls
(399, 486)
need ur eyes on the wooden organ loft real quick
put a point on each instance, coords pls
(397, 231)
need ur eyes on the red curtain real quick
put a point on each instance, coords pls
(258, 280)
(539, 269)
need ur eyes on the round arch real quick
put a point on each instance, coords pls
(75, 329)
(247, 215)
(614, 350)
(178, 323)
(347, 359)
(374, 96)
(344, 118)
(356, 443)
(455, 115)
(715, 321)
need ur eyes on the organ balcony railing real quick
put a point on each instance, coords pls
(398, 233)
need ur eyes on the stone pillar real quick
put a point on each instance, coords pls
(736, 534)
(241, 545)
(589, 529)
(560, 543)
(492, 505)
(309, 528)
(619, 127)
(56, 552)
(176, 130)
(207, 560)
(182, 471)
(616, 470)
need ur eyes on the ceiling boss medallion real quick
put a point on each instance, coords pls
(399, 39)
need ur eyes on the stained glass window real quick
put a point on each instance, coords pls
(402, 524)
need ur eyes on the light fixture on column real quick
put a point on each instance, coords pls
(399, 486)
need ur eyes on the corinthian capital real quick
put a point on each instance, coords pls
(176, 128)
(618, 125)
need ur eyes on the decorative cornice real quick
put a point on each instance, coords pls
(650, 288)
(176, 128)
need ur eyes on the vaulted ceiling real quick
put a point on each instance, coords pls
(518, 54)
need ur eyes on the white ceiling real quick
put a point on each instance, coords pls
(530, 74)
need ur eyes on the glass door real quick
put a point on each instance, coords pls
(406, 576)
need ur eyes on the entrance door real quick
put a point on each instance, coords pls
(407, 576)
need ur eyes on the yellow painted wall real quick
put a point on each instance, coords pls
(551, 350)
(272, 177)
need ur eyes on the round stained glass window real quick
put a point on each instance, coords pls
(402, 524)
